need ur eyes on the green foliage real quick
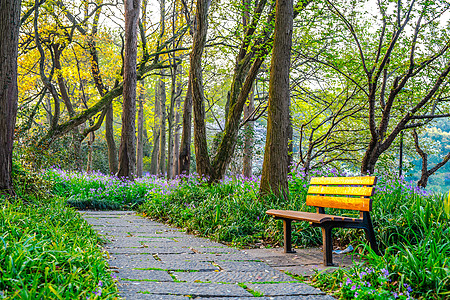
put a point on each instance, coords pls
(412, 227)
(47, 251)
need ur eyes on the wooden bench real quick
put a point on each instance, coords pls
(351, 193)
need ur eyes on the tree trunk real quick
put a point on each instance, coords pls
(248, 137)
(9, 38)
(195, 75)
(275, 165)
(423, 181)
(140, 137)
(109, 135)
(127, 150)
(176, 140)
(184, 160)
(162, 126)
(154, 166)
(171, 120)
(90, 152)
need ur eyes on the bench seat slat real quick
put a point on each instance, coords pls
(361, 204)
(360, 180)
(310, 217)
(341, 190)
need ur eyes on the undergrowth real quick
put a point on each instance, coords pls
(47, 251)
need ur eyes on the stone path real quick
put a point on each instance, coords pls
(155, 261)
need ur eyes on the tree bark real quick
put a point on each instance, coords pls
(109, 135)
(162, 126)
(426, 173)
(140, 136)
(248, 137)
(170, 121)
(9, 38)
(195, 74)
(127, 150)
(90, 152)
(184, 161)
(154, 166)
(176, 139)
(275, 165)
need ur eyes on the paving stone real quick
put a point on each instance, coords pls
(145, 240)
(303, 297)
(148, 262)
(154, 275)
(134, 244)
(193, 289)
(206, 257)
(284, 289)
(215, 250)
(199, 242)
(109, 212)
(146, 250)
(243, 266)
(140, 296)
(233, 277)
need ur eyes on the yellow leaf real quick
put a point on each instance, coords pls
(54, 292)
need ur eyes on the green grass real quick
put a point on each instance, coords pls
(47, 251)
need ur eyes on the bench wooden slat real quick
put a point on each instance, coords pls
(308, 216)
(341, 190)
(360, 180)
(361, 204)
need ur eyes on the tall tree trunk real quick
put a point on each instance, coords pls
(90, 152)
(170, 120)
(140, 136)
(248, 137)
(184, 160)
(154, 166)
(275, 165)
(127, 150)
(109, 135)
(162, 126)
(176, 139)
(195, 75)
(9, 38)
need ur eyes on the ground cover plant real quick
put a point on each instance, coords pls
(47, 251)
(412, 226)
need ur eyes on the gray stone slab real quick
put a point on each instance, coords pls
(147, 250)
(214, 250)
(148, 262)
(134, 244)
(284, 289)
(151, 240)
(206, 257)
(199, 242)
(134, 261)
(153, 275)
(192, 289)
(139, 296)
(109, 212)
(303, 297)
(243, 266)
(233, 277)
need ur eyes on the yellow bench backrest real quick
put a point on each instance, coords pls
(342, 192)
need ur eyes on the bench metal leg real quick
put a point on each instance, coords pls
(287, 226)
(370, 233)
(327, 246)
